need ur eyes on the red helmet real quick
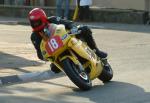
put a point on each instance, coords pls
(38, 19)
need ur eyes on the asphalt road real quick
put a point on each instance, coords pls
(128, 47)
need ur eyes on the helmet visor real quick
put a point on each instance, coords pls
(35, 23)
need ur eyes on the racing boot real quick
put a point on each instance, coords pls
(100, 53)
(103, 56)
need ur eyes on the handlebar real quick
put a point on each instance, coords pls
(76, 33)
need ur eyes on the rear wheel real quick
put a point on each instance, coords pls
(77, 75)
(107, 74)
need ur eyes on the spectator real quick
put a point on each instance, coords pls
(20, 2)
(27, 2)
(76, 11)
(59, 9)
(9, 2)
(84, 9)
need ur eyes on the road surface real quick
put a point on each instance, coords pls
(128, 47)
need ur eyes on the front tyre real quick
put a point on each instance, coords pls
(79, 77)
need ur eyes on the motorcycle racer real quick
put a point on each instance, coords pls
(38, 20)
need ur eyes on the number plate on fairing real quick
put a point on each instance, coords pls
(53, 44)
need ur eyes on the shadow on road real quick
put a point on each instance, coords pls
(113, 92)
(132, 28)
(124, 27)
(16, 62)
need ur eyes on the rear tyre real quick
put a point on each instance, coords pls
(107, 74)
(79, 77)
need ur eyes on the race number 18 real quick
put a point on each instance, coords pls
(53, 44)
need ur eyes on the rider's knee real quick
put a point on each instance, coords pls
(85, 30)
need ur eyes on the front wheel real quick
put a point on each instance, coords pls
(107, 74)
(79, 77)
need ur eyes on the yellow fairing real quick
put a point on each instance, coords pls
(71, 43)
(59, 31)
(82, 50)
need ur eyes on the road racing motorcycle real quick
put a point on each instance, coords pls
(73, 57)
